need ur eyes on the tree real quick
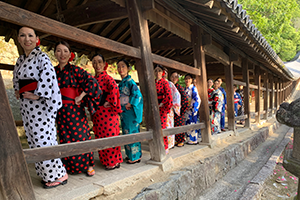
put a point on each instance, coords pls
(276, 19)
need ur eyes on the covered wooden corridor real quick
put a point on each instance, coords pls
(207, 38)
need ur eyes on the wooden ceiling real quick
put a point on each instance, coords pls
(170, 23)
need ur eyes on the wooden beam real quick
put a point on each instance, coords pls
(147, 5)
(40, 23)
(229, 93)
(202, 8)
(65, 150)
(93, 13)
(141, 39)
(201, 82)
(236, 82)
(6, 66)
(216, 53)
(206, 39)
(167, 43)
(257, 93)
(246, 101)
(15, 181)
(182, 129)
(207, 3)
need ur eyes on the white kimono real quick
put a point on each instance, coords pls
(39, 115)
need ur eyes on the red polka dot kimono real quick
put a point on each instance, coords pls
(164, 96)
(106, 120)
(72, 120)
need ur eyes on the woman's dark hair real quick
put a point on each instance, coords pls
(173, 73)
(217, 80)
(162, 68)
(98, 54)
(63, 43)
(210, 79)
(190, 75)
(26, 27)
(125, 61)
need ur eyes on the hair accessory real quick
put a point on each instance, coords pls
(72, 57)
(38, 43)
(106, 66)
(164, 73)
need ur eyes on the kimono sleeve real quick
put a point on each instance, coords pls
(88, 84)
(15, 79)
(167, 101)
(47, 78)
(113, 96)
(196, 99)
(184, 100)
(136, 101)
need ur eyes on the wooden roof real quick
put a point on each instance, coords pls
(226, 25)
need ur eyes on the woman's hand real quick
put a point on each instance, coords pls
(79, 98)
(160, 105)
(30, 95)
(106, 105)
(17, 94)
(128, 106)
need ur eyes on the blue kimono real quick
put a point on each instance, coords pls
(223, 108)
(131, 119)
(191, 115)
(237, 101)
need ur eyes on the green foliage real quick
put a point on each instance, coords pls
(181, 81)
(276, 19)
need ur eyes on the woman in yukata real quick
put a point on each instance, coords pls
(164, 96)
(179, 118)
(78, 89)
(175, 109)
(191, 115)
(35, 84)
(106, 119)
(217, 106)
(132, 110)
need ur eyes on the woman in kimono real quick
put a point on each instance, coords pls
(132, 110)
(237, 101)
(164, 96)
(210, 91)
(217, 105)
(35, 84)
(191, 115)
(106, 119)
(179, 118)
(78, 89)
(175, 109)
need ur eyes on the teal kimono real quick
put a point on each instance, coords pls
(131, 119)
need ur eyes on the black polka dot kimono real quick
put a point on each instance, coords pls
(72, 123)
(164, 96)
(106, 120)
(39, 115)
(179, 120)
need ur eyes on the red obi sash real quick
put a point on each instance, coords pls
(69, 94)
(27, 85)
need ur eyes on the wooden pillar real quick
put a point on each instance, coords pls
(276, 93)
(246, 92)
(201, 81)
(15, 182)
(140, 38)
(281, 91)
(266, 94)
(230, 99)
(271, 102)
(257, 81)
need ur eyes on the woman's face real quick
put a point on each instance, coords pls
(27, 39)
(122, 69)
(188, 81)
(174, 78)
(210, 83)
(98, 64)
(62, 53)
(217, 84)
(158, 73)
